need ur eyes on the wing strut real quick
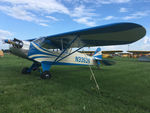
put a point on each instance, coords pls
(71, 53)
(69, 45)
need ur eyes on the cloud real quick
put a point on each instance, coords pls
(120, 1)
(113, 1)
(43, 24)
(117, 47)
(18, 13)
(52, 18)
(35, 11)
(81, 11)
(123, 10)
(48, 6)
(109, 18)
(146, 47)
(30, 10)
(5, 34)
(97, 1)
(83, 15)
(136, 15)
(147, 40)
(85, 20)
(143, 44)
(146, 43)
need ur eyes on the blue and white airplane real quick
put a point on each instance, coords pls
(57, 49)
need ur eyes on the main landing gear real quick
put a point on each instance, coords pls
(45, 75)
(26, 70)
(35, 66)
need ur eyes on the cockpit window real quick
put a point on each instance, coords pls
(47, 44)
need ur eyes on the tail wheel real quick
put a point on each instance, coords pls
(46, 75)
(26, 70)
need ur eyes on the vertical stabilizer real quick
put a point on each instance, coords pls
(98, 54)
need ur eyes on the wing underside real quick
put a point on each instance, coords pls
(113, 34)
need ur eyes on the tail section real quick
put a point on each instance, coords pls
(98, 58)
(98, 54)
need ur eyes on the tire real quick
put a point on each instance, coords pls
(25, 70)
(46, 75)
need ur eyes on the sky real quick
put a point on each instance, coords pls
(28, 19)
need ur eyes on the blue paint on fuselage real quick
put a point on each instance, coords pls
(62, 63)
(33, 51)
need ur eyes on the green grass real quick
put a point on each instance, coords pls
(124, 88)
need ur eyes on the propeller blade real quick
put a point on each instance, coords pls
(15, 42)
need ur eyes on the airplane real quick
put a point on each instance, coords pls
(58, 49)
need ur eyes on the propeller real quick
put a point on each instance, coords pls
(15, 42)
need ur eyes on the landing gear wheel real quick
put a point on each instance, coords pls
(25, 70)
(36, 68)
(46, 75)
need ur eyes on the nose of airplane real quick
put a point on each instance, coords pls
(16, 43)
(6, 41)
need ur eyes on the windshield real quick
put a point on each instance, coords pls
(47, 44)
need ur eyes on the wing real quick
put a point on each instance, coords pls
(112, 34)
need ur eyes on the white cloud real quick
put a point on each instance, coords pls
(81, 11)
(137, 15)
(49, 6)
(123, 10)
(30, 10)
(35, 11)
(4, 35)
(120, 1)
(83, 15)
(85, 20)
(109, 18)
(146, 43)
(18, 13)
(52, 18)
(110, 48)
(147, 40)
(112, 1)
(43, 24)
(146, 47)
(142, 44)
(117, 47)
(97, 1)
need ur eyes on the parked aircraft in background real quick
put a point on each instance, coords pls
(137, 54)
(1, 53)
(57, 49)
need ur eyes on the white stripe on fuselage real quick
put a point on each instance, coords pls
(79, 58)
(37, 55)
(75, 58)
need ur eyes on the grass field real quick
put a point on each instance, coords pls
(124, 88)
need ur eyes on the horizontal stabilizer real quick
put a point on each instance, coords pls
(107, 62)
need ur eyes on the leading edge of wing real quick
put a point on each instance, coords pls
(115, 27)
(111, 34)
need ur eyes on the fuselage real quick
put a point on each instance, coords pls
(34, 52)
(21, 52)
